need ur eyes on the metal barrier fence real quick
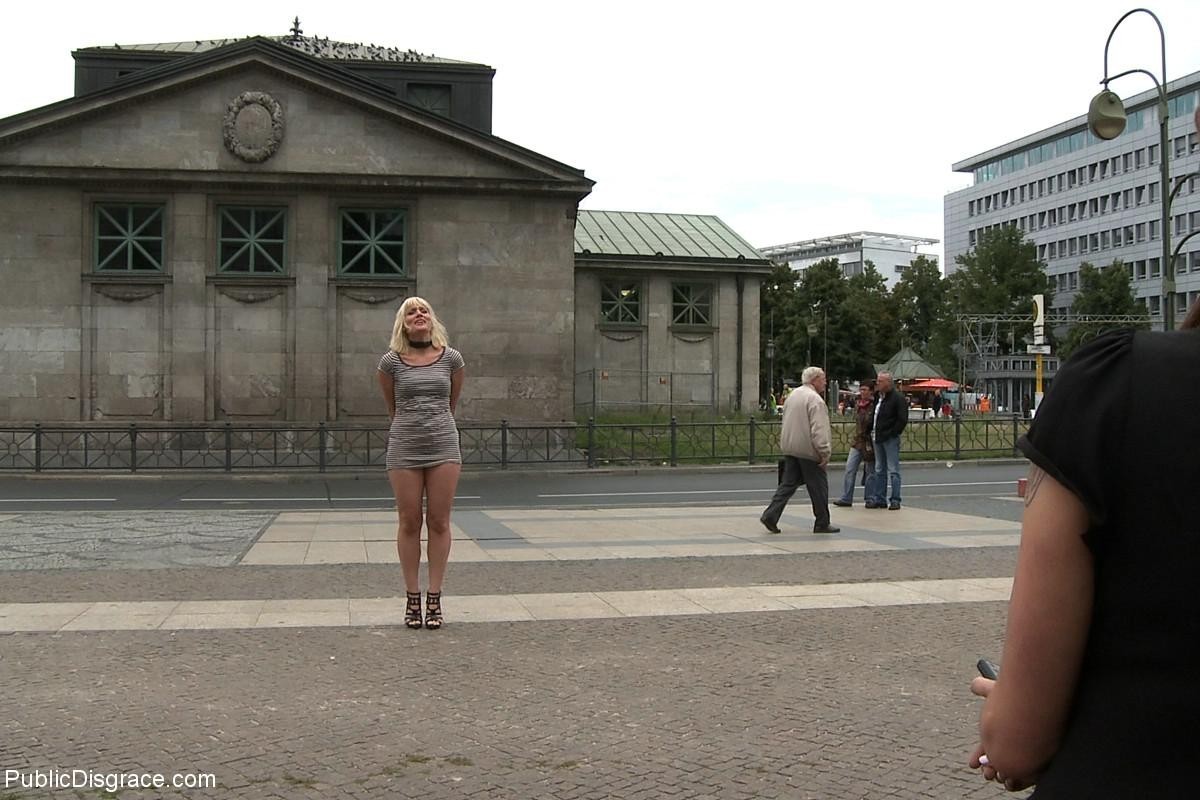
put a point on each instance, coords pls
(331, 447)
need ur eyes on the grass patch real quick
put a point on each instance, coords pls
(417, 758)
(567, 765)
(460, 761)
(294, 781)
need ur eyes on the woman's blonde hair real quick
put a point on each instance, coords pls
(399, 341)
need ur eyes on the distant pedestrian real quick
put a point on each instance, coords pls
(890, 419)
(421, 377)
(862, 450)
(806, 442)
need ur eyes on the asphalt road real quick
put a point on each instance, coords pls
(980, 488)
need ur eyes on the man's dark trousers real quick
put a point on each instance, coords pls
(795, 472)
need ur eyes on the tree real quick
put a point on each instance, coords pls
(776, 302)
(1104, 291)
(1000, 276)
(870, 311)
(920, 300)
(853, 321)
(820, 297)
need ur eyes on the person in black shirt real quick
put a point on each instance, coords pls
(1096, 693)
(891, 415)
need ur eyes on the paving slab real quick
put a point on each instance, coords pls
(303, 612)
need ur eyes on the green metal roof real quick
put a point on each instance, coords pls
(907, 365)
(637, 233)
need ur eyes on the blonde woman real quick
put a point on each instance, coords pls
(421, 378)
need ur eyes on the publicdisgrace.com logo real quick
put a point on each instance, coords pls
(110, 781)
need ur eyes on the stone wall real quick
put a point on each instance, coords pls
(656, 363)
(193, 344)
(190, 345)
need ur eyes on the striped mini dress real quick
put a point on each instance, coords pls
(423, 433)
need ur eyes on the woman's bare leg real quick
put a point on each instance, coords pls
(440, 484)
(408, 485)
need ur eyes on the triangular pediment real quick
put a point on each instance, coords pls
(287, 117)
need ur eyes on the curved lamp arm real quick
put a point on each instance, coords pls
(1162, 38)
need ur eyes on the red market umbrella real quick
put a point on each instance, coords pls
(932, 383)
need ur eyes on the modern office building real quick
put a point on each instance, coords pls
(890, 253)
(1082, 199)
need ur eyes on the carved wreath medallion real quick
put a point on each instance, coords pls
(253, 126)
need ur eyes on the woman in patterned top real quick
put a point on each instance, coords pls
(421, 378)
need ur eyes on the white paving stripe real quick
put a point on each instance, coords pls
(765, 490)
(298, 499)
(59, 500)
(362, 612)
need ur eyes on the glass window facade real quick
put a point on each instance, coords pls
(1063, 145)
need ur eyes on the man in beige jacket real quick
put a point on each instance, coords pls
(805, 441)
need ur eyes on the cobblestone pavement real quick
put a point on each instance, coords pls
(814, 703)
(847, 703)
(146, 539)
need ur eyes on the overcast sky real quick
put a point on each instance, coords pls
(789, 120)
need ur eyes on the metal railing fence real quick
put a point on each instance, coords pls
(329, 447)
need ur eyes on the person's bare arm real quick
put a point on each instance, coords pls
(387, 387)
(1048, 619)
(456, 382)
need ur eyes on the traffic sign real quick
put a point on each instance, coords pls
(1038, 349)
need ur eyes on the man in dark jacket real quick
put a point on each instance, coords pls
(891, 415)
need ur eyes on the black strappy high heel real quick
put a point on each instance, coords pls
(412, 611)
(433, 610)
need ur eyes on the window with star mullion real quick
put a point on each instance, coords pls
(433, 97)
(371, 242)
(128, 237)
(620, 302)
(252, 240)
(691, 304)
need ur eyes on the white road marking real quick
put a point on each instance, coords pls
(766, 490)
(302, 499)
(60, 500)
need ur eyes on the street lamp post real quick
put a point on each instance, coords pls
(825, 344)
(1106, 119)
(771, 366)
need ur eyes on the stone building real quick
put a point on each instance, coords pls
(666, 313)
(222, 231)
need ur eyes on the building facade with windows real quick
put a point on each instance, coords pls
(1082, 199)
(666, 313)
(225, 233)
(222, 231)
(890, 253)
